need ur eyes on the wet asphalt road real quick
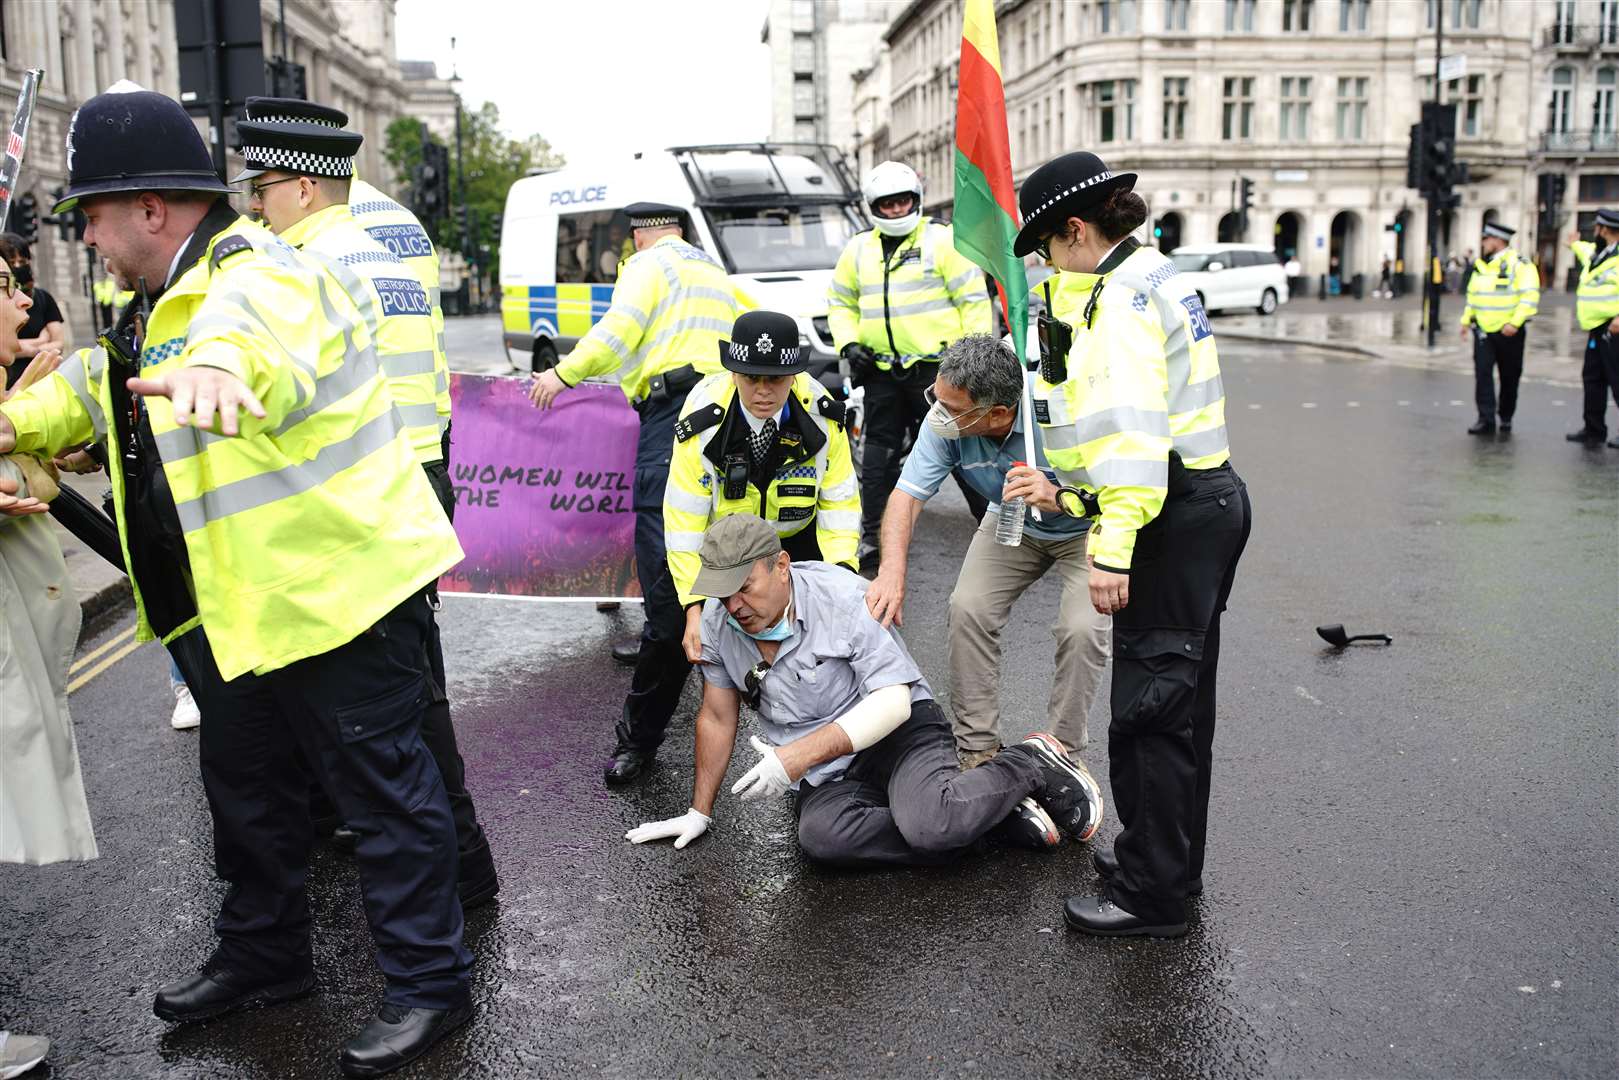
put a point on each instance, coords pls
(1411, 850)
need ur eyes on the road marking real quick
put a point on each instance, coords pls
(1402, 403)
(1254, 406)
(1309, 405)
(90, 656)
(1457, 401)
(1559, 401)
(104, 665)
(1352, 404)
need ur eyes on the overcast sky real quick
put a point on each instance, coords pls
(603, 76)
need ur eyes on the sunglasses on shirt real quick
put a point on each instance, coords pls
(753, 684)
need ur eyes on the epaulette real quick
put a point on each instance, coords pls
(697, 422)
(224, 249)
(834, 411)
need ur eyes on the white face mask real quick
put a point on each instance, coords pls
(946, 426)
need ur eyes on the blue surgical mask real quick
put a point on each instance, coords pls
(779, 632)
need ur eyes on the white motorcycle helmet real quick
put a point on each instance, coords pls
(893, 178)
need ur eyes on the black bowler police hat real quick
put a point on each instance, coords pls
(129, 139)
(764, 343)
(652, 215)
(281, 110)
(296, 147)
(1062, 188)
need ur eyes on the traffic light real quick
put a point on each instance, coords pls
(286, 79)
(24, 219)
(1396, 227)
(1157, 228)
(1414, 166)
(69, 224)
(1432, 157)
(1245, 202)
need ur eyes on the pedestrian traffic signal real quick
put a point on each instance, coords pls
(1245, 202)
(1157, 228)
(24, 220)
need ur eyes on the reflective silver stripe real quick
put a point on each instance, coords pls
(209, 323)
(1480, 305)
(680, 541)
(312, 367)
(360, 291)
(922, 308)
(690, 292)
(839, 492)
(433, 296)
(1125, 472)
(181, 443)
(840, 520)
(843, 291)
(609, 339)
(256, 491)
(718, 326)
(418, 416)
(404, 365)
(687, 502)
(1196, 396)
(670, 274)
(78, 377)
(900, 287)
(966, 276)
(1119, 420)
(441, 382)
(1202, 443)
(788, 528)
(631, 310)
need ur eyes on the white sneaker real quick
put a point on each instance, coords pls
(186, 714)
(19, 1053)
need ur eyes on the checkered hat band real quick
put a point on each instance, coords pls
(1061, 195)
(1608, 218)
(296, 161)
(654, 222)
(295, 120)
(1497, 231)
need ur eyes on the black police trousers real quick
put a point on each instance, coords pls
(1600, 374)
(895, 406)
(355, 713)
(1492, 351)
(1166, 656)
(660, 673)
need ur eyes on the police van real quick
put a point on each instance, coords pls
(777, 215)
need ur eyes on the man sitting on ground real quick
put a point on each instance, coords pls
(850, 724)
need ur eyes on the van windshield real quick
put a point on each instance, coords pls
(1189, 263)
(760, 239)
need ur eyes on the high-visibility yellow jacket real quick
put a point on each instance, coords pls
(1502, 290)
(672, 304)
(401, 232)
(1596, 302)
(809, 479)
(911, 305)
(396, 311)
(313, 523)
(1143, 379)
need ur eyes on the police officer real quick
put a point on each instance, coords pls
(401, 232)
(298, 175)
(759, 437)
(671, 305)
(1134, 417)
(1597, 309)
(899, 295)
(1503, 294)
(282, 550)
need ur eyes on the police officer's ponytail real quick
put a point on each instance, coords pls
(1117, 216)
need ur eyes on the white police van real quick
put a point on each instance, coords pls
(777, 215)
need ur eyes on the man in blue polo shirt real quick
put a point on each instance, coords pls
(975, 425)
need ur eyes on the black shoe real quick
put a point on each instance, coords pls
(1069, 793)
(1586, 436)
(1506, 425)
(324, 825)
(345, 839)
(1613, 443)
(478, 882)
(1100, 916)
(607, 605)
(397, 1036)
(1028, 826)
(628, 652)
(1106, 861)
(625, 766)
(216, 990)
(1483, 427)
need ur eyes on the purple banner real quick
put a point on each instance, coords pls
(543, 500)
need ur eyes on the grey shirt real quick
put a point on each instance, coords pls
(837, 655)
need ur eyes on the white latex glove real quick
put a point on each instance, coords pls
(685, 828)
(766, 778)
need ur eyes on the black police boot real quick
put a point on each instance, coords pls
(626, 764)
(345, 839)
(478, 882)
(1586, 436)
(396, 1036)
(216, 990)
(1485, 426)
(1106, 861)
(627, 652)
(1100, 916)
(1506, 425)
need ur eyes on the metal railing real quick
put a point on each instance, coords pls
(1591, 142)
(1581, 35)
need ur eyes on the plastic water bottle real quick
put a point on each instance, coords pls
(1009, 525)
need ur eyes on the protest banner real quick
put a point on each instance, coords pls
(544, 500)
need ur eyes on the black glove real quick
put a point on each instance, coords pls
(862, 361)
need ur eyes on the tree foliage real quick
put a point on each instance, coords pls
(491, 163)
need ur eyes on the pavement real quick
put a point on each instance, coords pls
(1411, 848)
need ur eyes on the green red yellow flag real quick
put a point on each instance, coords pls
(986, 215)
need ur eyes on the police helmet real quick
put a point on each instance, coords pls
(130, 139)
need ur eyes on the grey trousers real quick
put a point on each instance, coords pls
(905, 802)
(992, 578)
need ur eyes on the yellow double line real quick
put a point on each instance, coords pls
(124, 643)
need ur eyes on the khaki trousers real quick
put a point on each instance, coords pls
(993, 576)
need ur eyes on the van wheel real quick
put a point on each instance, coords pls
(1267, 303)
(545, 355)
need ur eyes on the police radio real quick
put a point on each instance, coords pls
(736, 476)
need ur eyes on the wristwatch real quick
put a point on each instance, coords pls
(1085, 504)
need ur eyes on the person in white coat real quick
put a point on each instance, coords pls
(43, 814)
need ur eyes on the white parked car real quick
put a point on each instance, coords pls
(1234, 276)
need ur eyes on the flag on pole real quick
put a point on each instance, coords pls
(986, 217)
